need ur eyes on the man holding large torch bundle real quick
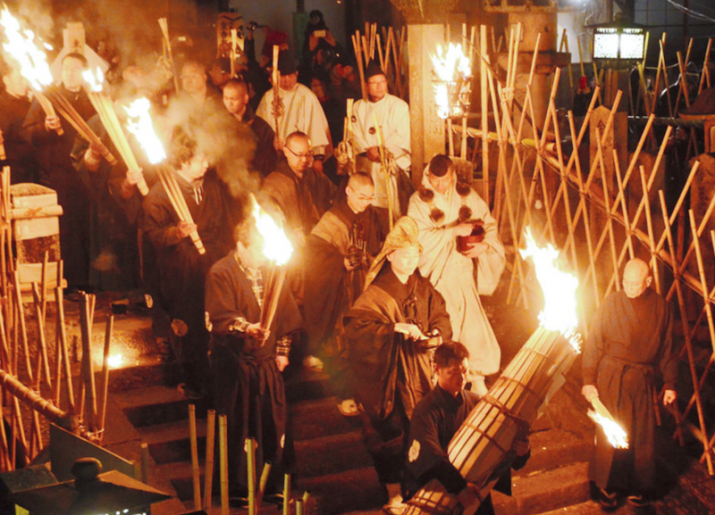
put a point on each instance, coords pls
(391, 330)
(247, 359)
(631, 337)
(436, 420)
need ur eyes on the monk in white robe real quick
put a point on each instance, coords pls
(393, 117)
(301, 112)
(443, 209)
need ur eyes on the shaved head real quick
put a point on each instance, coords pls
(360, 179)
(636, 278)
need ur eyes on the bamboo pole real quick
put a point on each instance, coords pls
(165, 33)
(705, 77)
(485, 109)
(684, 320)
(264, 479)
(223, 450)
(286, 494)
(209, 474)
(43, 359)
(251, 464)
(194, 457)
(624, 205)
(23, 327)
(651, 237)
(105, 371)
(90, 394)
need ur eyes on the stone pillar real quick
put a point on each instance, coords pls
(427, 129)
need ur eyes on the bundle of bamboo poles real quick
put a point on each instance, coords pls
(104, 106)
(390, 53)
(480, 449)
(206, 503)
(70, 114)
(178, 202)
(166, 41)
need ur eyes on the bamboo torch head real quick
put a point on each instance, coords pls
(20, 45)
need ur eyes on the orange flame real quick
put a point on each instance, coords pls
(276, 247)
(139, 123)
(21, 47)
(559, 288)
(615, 434)
(94, 80)
(449, 68)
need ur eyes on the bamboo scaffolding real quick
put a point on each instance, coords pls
(89, 399)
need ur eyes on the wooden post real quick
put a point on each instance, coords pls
(223, 447)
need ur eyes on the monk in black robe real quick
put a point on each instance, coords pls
(390, 331)
(339, 251)
(182, 269)
(236, 100)
(14, 105)
(436, 419)
(54, 153)
(630, 338)
(246, 359)
(302, 195)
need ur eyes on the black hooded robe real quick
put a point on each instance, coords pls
(629, 340)
(391, 372)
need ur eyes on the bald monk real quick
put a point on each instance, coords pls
(630, 339)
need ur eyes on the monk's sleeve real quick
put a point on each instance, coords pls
(435, 239)
(669, 357)
(397, 140)
(492, 262)
(360, 137)
(221, 301)
(159, 223)
(426, 459)
(595, 345)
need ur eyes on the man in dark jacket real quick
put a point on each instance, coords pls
(436, 419)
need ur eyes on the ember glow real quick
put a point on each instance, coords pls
(276, 247)
(559, 288)
(615, 434)
(21, 46)
(451, 69)
(139, 123)
(115, 360)
(94, 80)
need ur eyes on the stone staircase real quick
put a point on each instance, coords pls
(332, 463)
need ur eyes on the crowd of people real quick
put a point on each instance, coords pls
(383, 287)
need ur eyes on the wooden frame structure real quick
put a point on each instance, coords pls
(599, 220)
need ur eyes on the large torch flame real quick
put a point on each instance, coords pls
(94, 80)
(449, 68)
(559, 288)
(139, 123)
(21, 46)
(615, 434)
(276, 247)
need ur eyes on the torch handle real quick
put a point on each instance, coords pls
(48, 108)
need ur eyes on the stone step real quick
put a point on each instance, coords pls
(544, 491)
(170, 442)
(584, 508)
(320, 417)
(552, 449)
(157, 405)
(343, 492)
(331, 454)
(303, 384)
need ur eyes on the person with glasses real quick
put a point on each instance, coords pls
(301, 112)
(302, 195)
(340, 250)
(630, 340)
(393, 118)
(446, 208)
